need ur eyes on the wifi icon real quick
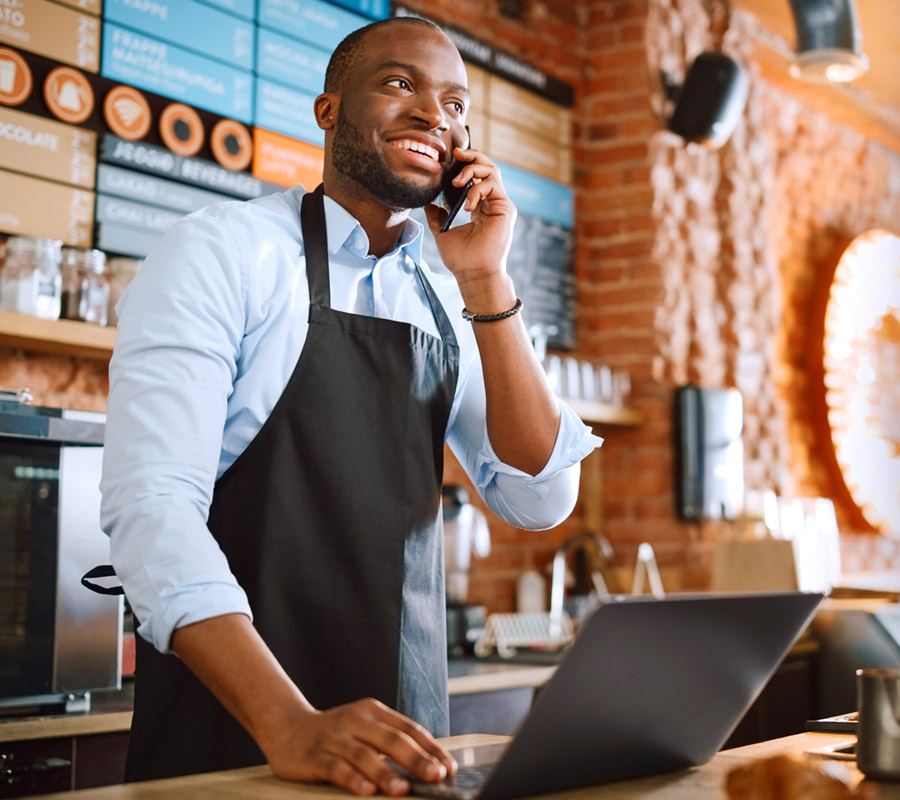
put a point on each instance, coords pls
(127, 112)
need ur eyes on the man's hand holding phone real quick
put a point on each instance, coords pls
(476, 251)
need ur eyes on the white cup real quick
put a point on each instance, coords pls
(7, 75)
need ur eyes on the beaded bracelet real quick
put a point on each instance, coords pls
(470, 317)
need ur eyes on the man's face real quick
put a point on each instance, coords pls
(400, 115)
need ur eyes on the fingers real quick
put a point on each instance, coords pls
(435, 216)
(420, 737)
(484, 175)
(402, 740)
(349, 744)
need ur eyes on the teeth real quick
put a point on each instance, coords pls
(418, 147)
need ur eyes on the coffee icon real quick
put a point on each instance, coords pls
(15, 78)
(69, 95)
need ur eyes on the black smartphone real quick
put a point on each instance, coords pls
(454, 196)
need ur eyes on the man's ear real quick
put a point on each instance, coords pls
(325, 107)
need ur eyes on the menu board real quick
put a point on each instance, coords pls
(541, 263)
(173, 104)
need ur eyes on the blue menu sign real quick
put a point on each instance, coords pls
(321, 24)
(291, 62)
(191, 25)
(285, 111)
(166, 69)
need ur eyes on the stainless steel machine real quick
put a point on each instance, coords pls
(58, 640)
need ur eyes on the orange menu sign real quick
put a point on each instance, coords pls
(285, 161)
(94, 7)
(48, 149)
(35, 207)
(51, 30)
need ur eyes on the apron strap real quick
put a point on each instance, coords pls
(437, 310)
(104, 571)
(315, 246)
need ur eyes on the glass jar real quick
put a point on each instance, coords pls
(121, 271)
(30, 282)
(85, 287)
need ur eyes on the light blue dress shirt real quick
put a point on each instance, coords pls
(210, 331)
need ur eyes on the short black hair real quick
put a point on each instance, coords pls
(346, 53)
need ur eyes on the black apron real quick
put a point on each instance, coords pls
(330, 520)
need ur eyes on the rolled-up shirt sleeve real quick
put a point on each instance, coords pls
(172, 371)
(533, 502)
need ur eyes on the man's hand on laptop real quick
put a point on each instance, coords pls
(347, 745)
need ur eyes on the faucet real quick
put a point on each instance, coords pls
(603, 549)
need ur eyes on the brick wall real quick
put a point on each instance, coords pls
(698, 265)
(691, 265)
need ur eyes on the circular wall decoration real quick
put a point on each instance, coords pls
(127, 112)
(69, 95)
(181, 129)
(231, 144)
(16, 82)
(862, 373)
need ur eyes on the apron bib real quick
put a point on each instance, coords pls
(330, 520)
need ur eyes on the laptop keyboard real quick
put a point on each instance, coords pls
(464, 784)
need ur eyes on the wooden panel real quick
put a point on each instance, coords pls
(56, 336)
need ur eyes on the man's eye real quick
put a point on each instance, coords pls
(400, 83)
(458, 107)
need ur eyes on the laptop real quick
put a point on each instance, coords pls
(648, 686)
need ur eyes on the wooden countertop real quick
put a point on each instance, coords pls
(111, 711)
(701, 783)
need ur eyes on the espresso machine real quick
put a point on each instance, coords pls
(466, 535)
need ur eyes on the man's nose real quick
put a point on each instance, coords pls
(430, 110)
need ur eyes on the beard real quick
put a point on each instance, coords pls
(369, 171)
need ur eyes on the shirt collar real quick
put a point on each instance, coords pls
(343, 230)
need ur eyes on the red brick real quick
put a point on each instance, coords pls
(620, 105)
(600, 36)
(603, 130)
(601, 179)
(611, 60)
(637, 175)
(599, 227)
(601, 85)
(643, 126)
(631, 9)
(638, 222)
(603, 273)
(632, 33)
(635, 247)
(616, 154)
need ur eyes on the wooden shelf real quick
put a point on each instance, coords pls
(605, 414)
(63, 337)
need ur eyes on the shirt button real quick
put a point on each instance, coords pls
(359, 244)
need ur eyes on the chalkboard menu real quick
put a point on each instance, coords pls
(541, 263)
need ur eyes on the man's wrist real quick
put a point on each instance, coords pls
(492, 295)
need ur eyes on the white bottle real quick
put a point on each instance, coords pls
(531, 593)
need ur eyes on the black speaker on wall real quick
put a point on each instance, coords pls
(711, 100)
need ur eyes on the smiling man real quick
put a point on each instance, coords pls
(286, 374)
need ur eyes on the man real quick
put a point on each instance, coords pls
(284, 380)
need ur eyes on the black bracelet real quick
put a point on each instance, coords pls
(468, 316)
